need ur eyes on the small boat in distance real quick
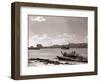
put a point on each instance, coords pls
(65, 47)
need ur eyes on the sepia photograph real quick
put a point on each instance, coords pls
(57, 40)
(53, 40)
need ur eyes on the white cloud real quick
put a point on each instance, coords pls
(60, 41)
(44, 36)
(36, 39)
(85, 39)
(65, 34)
(46, 40)
(38, 19)
(33, 40)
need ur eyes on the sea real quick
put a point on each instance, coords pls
(52, 53)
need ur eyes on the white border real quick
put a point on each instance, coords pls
(25, 70)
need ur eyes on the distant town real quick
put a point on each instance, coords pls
(67, 46)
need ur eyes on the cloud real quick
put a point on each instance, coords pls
(39, 39)
(61, 39)
(33, 40)
(63, 35)
(67, 38)
(44, 36)
(38, 19)
(85, 39)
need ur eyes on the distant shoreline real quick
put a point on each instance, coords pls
(46, 48)
(67, 46)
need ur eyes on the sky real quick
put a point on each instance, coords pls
(52, 30)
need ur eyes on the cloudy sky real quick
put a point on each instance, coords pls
(51, 30)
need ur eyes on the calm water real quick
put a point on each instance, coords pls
(51, 53)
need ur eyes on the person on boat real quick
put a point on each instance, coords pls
(64, 53)
(73, 52)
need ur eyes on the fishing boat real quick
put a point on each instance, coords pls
(73, 54)
(65, 58)
(82, 59)
(65, 47)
